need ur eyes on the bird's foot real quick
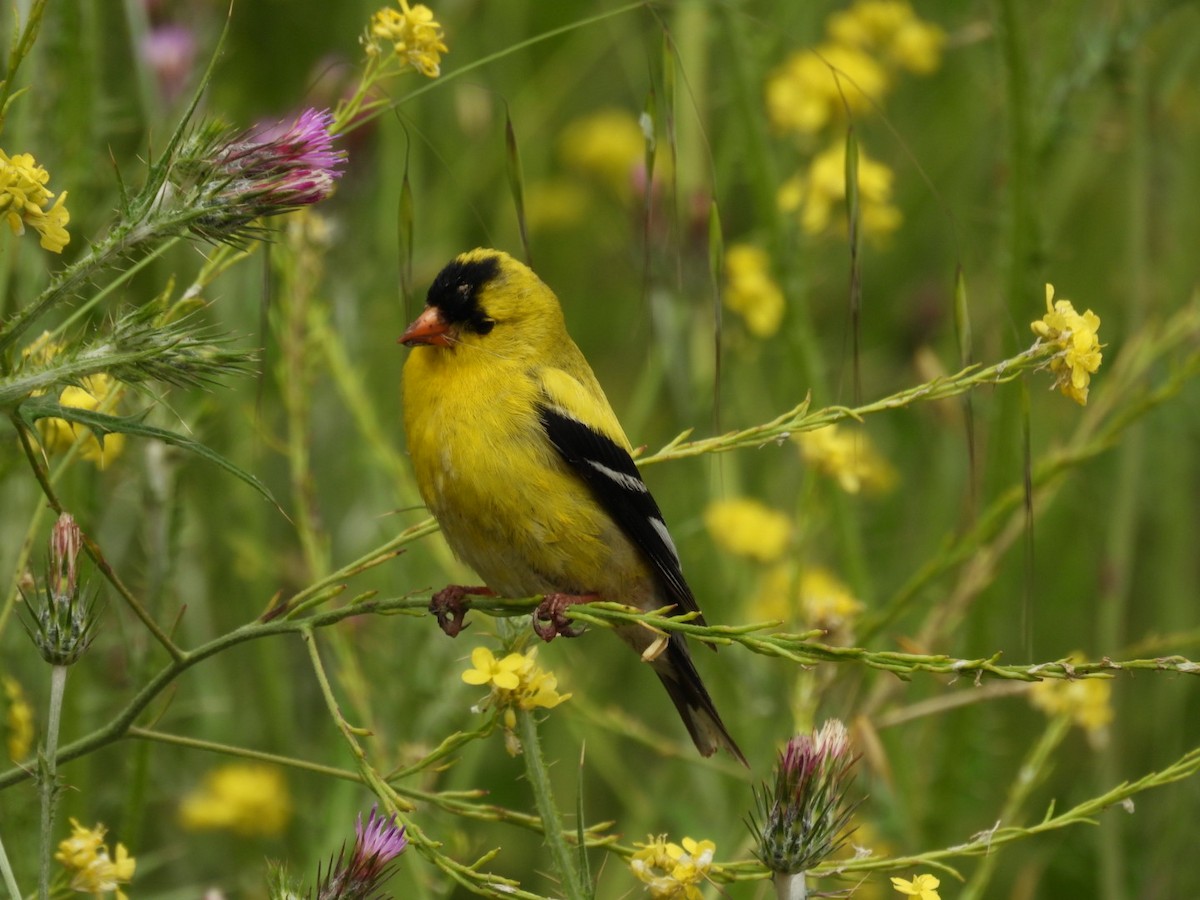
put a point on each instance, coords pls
(550, 620)
(450, 605)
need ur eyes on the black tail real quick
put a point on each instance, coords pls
(678, 674)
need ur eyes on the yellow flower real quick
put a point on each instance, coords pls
(671, 871)
(892, 29)
(1076, 334)
(1087, 701)
(246, 798)
(751, 292)
(608, 144)
(815, 193)
(93, 870)
(813, 87)
(847, 457)
(923, 887)
(749, 528)
(504, 674)
(18, 720)
(825, 600)
(516, 679)
(93, 392)
(415, 36)
(819, 597)
(25, 200)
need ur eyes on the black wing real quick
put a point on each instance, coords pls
(608, 469)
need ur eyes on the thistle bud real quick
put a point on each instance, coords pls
(62, 622)
(802, 819)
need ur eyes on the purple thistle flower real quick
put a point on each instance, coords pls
(376, 844)
(282, 166)
(267, 170)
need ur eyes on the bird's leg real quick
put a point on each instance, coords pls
(450, 606)
(549, 619)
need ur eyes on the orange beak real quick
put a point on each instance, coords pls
(428, 328)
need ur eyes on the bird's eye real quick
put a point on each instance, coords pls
(485, 326)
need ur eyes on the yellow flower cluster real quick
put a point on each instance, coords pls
(516, 680)
(923, 887)
(94, 392)
(93, 869)
(25, 200)
(819, 597)
(750, 291)
(855, 66)
(817, 192)
(1077, 335)
(890, 29)
(1087, 701)
(248, 799)
(18, 720)
(847, 457)
(849, 73)
(671, 871)
(748, 528)
(414, 34)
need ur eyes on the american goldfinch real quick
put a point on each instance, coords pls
(519, 456)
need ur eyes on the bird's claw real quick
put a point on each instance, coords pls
(450, 606)
(550, 620)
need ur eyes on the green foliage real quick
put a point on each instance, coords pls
(1020, 527)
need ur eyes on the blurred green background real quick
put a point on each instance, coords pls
(1050, 144)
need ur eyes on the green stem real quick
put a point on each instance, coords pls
(10, 880)
(48, 776)
(543, 795)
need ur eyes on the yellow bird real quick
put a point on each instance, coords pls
(519, 456)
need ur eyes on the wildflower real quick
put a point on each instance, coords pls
(751, 292)
(504, 674)
(264, 171)
(825, 601)
(376, 844)
(1080, 345)
(802, 819)
(608, 144)
(92, 868)
(62, 623)
(849, 458)
(671, 871)
(246, 798)
(819, 597)
(517, 683)
(923, 887)
(25, 200)
(414, 34)
(891, 29)
(170, 51)
(812, 87)
(815, 193)
(94, 392)
(18, 720)
(746, 527)
(1086, 701)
